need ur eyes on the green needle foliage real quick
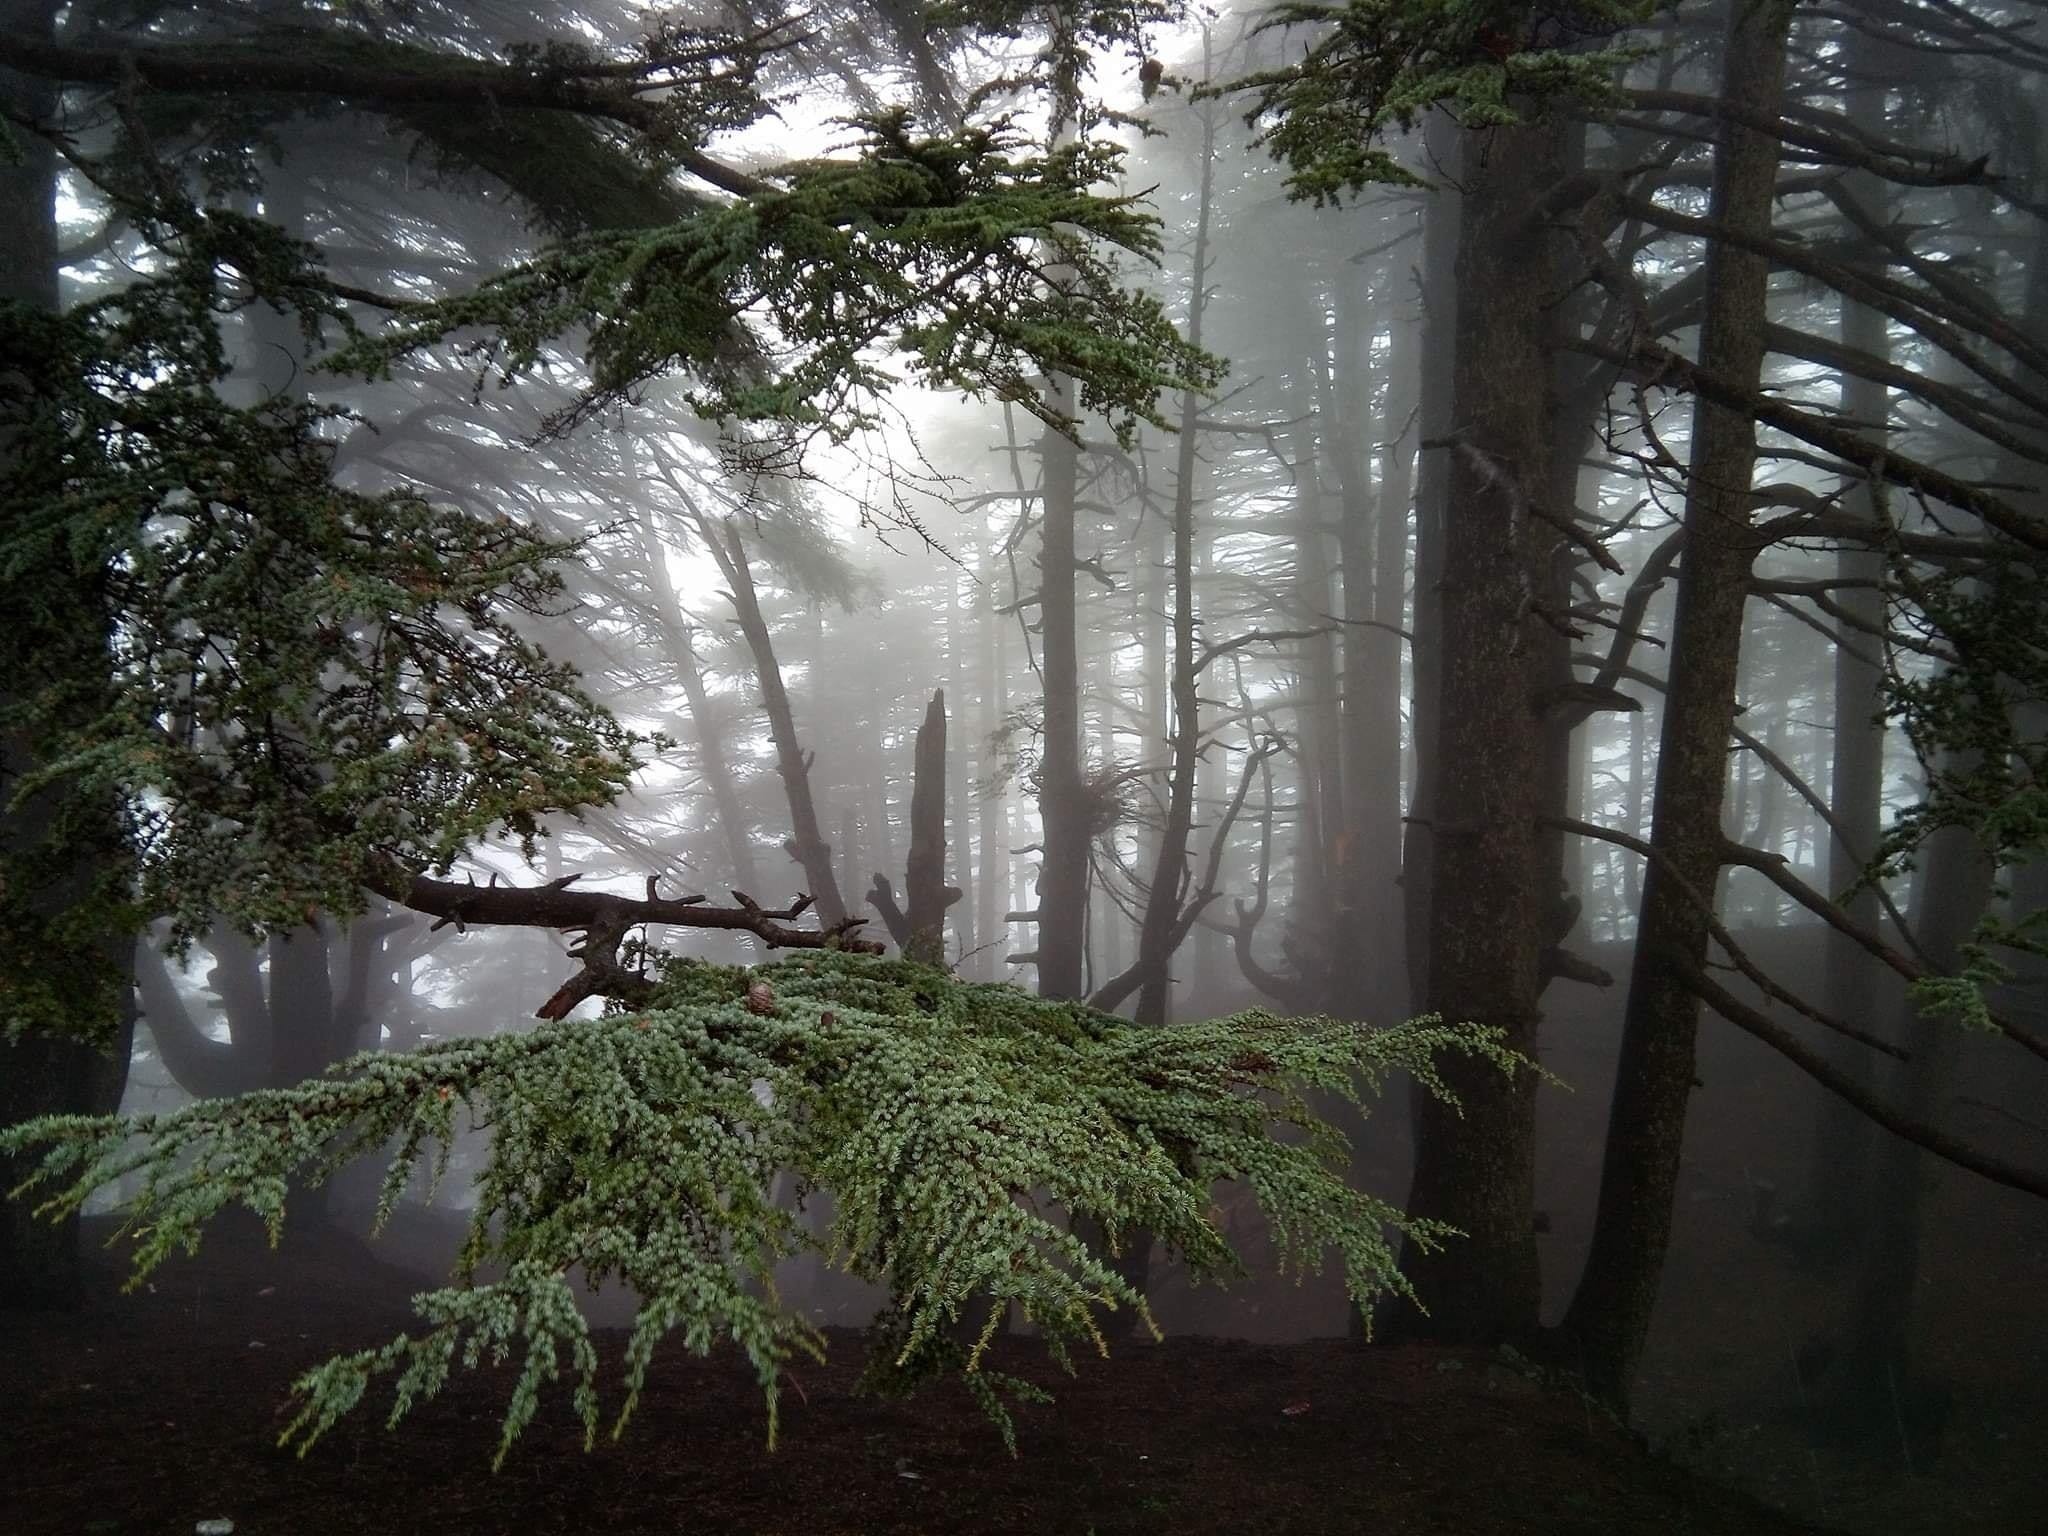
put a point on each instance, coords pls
(247, 689)
(976, 262)
(949, 1122)
(1974, 723)
(1376, 64)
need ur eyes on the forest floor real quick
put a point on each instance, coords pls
(155, 1411)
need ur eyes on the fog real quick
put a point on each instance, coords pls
(1599, 602)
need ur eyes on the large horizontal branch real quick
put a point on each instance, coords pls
(373, 75)
(1930, 1138)
(1927, 313)
(604, 918)
(1830, 135)
(1758, 978)
(1959, 405)
(1660, 365)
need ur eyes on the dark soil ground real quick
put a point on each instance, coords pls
(156, 1411)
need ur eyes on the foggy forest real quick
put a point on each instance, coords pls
(927, 765)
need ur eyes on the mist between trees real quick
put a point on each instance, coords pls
(1360, 512)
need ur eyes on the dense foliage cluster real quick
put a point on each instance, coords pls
(1969, 685)
(1372, 65)
(951, 1124)
(980, 263)
(245, 686)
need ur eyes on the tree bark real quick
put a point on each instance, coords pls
(1610, 1314)
(1162, 928)
(925, 879)
(42, 1074)
(1490, 887)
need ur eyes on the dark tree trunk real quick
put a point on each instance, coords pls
(1163, 927)
(925, 879)
(1490, 888)
(42, 1074)
(1610, 1314)
(1874, 1395)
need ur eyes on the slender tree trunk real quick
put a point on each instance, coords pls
(1319, 733)
(1610, 1315)
(1166, 893)
(807, 843)
(960, 776)
(1491, 889)
(1375, 587)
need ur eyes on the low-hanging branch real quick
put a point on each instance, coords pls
(953, 1126)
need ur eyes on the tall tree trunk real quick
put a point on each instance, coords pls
(1367, 983)
(1319, 733)
(42, 1074)
(1873, 1395)
(1163, 928)
(1491, 890)
(1610, 1314)
(960, 775)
